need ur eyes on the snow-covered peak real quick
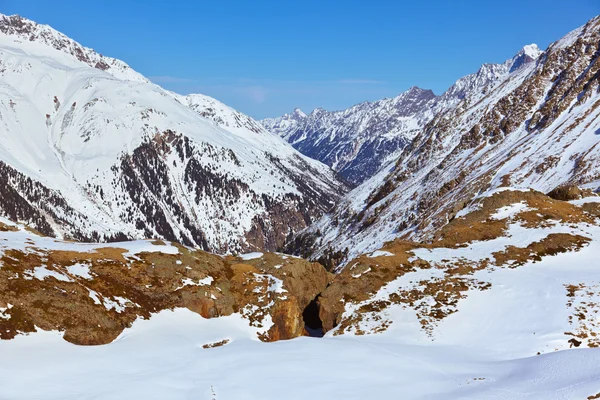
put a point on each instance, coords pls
(360, 140)
(417, 91)
(532, 50)
(527, 54)
(298, 113)
(31, 38)
(487, 77)
(357, 141)
(412, 101)
(221, 114)
(286, 123)
(318, 111)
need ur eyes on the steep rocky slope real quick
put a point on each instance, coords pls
(91, 150)
(358, 141)
(537, 127)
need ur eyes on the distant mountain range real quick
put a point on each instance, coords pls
(358, 141)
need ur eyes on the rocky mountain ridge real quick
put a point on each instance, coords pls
(359, 141)
(535, 128)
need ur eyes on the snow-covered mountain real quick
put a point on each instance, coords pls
(358, 141)
(530, 125)
(92, 150)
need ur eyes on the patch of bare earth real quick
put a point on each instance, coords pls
(584, 306)
(215, 344)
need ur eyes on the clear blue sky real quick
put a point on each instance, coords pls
(267, 57)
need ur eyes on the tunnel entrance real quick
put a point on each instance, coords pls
(312, 321)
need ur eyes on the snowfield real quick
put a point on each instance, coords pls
(163, 358)
(507, 342)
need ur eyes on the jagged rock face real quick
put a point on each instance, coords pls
(536, 126)
(92, 153)
(91, 293)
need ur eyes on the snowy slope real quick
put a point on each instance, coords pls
(359, 141)
(535, 126)
(463, 329)
(91, 292)
(163, 358)
(94, 151)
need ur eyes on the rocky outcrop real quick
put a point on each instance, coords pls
(91, 293)
(569, 192)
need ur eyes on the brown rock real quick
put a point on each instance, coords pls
(566, 193)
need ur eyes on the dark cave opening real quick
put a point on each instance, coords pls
(312, 321)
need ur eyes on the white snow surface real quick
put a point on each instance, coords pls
(42, 272)
(487, 349)
(509, 211)
(380, 253)
(163, 358)
(24, 240)
(251, 256)
(80, 270)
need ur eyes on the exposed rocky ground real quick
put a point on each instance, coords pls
(91, 292)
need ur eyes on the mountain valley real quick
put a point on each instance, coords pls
(159, 245)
